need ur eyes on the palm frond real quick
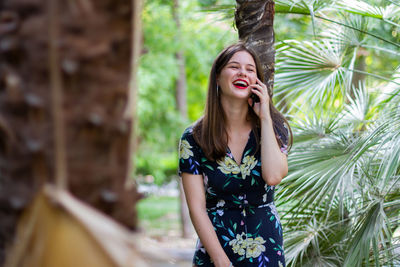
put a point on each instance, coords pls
(348, 36)
(312, 70)
(387, 13)
(365, 235)
(359, 110)
(305, 7)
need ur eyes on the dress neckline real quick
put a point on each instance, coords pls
(230, 154)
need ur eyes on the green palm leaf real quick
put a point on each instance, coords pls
(387, 13)
(312, 70)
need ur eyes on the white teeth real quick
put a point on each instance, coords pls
(240, 83)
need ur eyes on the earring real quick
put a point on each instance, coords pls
(217, 90)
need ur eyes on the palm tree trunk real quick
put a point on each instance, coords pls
(94, 72)
(254, 21)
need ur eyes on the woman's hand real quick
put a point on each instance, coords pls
(260, 108)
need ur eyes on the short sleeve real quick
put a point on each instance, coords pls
(284, 138)
(189, 154)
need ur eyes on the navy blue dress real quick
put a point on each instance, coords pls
(239, 204)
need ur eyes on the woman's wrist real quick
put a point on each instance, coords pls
(266, 119)
(223, 262)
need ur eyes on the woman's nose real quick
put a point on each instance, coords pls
(242, 72)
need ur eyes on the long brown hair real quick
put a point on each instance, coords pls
(210, 131)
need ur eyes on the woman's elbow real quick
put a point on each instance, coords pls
(275, 178)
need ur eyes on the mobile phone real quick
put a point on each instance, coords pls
(255, 98)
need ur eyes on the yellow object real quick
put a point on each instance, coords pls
(60, 231)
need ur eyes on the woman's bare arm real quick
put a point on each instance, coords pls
(195, 197)
(273, 162)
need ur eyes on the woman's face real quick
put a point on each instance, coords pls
(237, 75)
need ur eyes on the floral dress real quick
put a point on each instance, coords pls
(239, 204)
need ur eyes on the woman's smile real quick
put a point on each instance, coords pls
(240, 83)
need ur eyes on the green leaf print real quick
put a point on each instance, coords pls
(272, 241)
(258, 226)
(208, 166)
(236, 176)
(234, 227)
(225, 238)
(227, 183)
(231, 233)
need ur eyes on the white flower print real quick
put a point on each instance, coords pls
(221, 203)
(220, 212)
(252, 247)
(228, 166)
(205, 180)
(255, 247)
(199, 246)
(284, 149)
(274, 211)
(249, 162)
(185, 149)
(238, 244)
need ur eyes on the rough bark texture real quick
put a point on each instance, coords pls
(95, 64)
(254, 21)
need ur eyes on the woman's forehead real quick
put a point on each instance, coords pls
(242, 57)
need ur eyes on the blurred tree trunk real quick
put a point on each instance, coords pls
(181, 103)
(358, 78)
(254, 20)
(94, 48)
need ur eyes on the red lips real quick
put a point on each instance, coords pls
(240, 83)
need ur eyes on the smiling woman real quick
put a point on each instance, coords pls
(228, 174)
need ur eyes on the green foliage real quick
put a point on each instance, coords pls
(159, 215)
(345, 161)
(160, 124)
(338, 78)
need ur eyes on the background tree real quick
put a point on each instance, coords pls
(181, 104)
(254, 21)
(95, 70)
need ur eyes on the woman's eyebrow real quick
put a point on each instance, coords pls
(235, 62)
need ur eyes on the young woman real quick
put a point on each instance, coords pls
(230, 160)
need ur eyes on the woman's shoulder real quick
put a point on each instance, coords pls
(188, 136)
(188, 132)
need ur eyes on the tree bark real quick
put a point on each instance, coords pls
(254, 20)
(181, 103)
(94, 70)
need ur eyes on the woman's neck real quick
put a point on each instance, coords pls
(236, 115)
